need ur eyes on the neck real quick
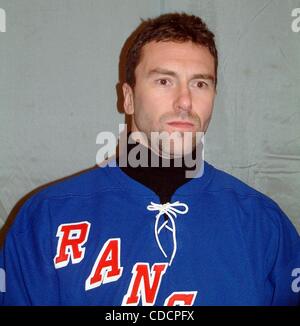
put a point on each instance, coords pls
(163, 177)
(136, 154)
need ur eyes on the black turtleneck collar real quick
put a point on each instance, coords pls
(163, 179)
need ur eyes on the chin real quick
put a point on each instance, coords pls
(176, 151)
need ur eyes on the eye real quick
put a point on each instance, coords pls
(201, 84)
(163, 81)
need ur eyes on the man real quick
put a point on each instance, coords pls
(149, 235)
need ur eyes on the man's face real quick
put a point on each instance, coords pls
(174, 92)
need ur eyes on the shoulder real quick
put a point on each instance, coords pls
(256, 206)
(84, 185)
(227, 183)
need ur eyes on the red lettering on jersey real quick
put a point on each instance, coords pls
(107, 266)
(181, 299)
(144, 284)
(71, 239)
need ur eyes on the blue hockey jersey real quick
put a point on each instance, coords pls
(102, 238)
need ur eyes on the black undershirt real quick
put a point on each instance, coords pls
(161, 179)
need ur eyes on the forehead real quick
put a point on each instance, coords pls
(171, 54)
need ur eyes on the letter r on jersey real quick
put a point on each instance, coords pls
(72, 237)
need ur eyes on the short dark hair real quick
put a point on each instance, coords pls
(178, 27)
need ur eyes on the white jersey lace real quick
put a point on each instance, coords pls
(171, 210)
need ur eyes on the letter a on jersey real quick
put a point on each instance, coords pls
(107, 266)
(144, 284)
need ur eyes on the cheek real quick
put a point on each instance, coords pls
(144, 113)
(148, 106)
(204, 107)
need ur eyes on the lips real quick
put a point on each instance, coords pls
(181, 124)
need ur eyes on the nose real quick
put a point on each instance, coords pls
(183, 100)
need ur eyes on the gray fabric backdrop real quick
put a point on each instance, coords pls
(59, 69)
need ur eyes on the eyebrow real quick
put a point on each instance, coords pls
(161, 71)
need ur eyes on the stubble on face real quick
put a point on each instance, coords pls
(152, 116)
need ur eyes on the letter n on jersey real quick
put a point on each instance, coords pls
(144, 285)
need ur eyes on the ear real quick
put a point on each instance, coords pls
(128, 99)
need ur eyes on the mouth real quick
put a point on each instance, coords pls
(181, 124)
